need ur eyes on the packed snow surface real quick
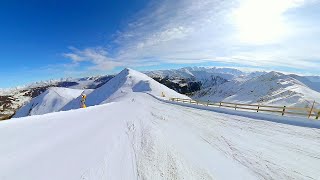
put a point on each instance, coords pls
(140, 137)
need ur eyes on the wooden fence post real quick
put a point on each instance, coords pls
(235, 107)
(258, 107)
(220, 104)
(318, 115)
(208, 103)
(311, 109)
(284, 109)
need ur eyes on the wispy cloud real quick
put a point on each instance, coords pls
(249, 32)
(98, 56)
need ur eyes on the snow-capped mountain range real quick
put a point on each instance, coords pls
(203, 83)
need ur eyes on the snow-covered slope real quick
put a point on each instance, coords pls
(126, 82)
(306, 81)
(271, 88)
(313, 78)
(51, 100)
(139, 137)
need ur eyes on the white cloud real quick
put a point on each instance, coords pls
(262, 21)
(248, 32)
(97, 56)
(74, 57)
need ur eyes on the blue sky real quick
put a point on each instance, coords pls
(42, 40)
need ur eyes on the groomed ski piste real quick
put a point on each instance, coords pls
(130, 132)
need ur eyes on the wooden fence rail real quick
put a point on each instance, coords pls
(283, 110)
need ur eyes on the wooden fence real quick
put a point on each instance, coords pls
(283, 110)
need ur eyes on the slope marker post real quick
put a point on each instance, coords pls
(283, 110)
(311, 109)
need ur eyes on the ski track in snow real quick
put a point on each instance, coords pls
(141, 137)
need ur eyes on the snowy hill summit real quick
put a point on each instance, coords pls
(126, 82)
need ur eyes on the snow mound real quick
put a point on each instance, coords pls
(51, 100)
(126, 82)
